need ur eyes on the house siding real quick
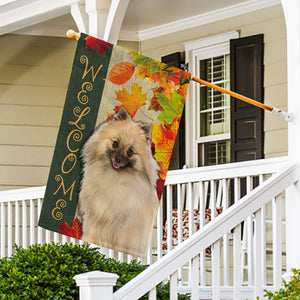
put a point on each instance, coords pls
(270, 22)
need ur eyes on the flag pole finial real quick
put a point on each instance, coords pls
(73, 34)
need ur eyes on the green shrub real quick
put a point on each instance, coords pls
(46, 272)
(290, 291)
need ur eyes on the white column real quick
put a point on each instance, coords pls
(96, 285)
(292, 18)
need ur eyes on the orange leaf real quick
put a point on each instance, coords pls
(164, 137)
(131, 102)
(121, 73)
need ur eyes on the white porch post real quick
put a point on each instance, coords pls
(292, 18)
(96, 285)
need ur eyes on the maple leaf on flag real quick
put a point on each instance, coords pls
(121, 73)
(164, 137)
(94, 43)
(75, 231)
(131, 102)
(171, 108)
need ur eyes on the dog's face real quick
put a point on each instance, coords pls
(121, 144)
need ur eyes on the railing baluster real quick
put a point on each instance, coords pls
(194, 282)
(202, 222)
(213, 199)
(17, 223)
(224, 204)
(24, 224)
(237, 276)
(2, 225)
(152, 294)
(277, 241)
(249, 229)
(258, 287)
(40, 230)
(173, 286)
(216, 270)
(9, 228)
(169, 217)
(32, 222)
(149, 255)
(179, 228)
(159, 231)
(190, 208)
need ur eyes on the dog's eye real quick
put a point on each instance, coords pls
(130, 152)
(115, 144)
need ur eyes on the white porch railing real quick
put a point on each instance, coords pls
(188, 192)
(252, 205)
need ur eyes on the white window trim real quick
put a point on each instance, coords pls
(200, 49)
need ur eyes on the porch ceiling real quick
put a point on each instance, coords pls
(143, 18)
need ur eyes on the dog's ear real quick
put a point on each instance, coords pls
(147, 128)
(122, 115)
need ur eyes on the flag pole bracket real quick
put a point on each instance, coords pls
(285, 115)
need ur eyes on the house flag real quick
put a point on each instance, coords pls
(115, 141)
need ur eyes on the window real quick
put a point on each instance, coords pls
(208, 110)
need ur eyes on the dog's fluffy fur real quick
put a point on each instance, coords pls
(118, 198)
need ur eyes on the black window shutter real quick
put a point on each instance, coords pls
(178, 155)
(246, 77)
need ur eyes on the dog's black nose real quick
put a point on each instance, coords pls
(118, 159)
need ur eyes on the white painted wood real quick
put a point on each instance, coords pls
(32, 219)
(179, 213)
(232, 170)
(17, 223)
(194, 281)
(213, 231)
(120, 256)
(114, 20)
(237, 276)
(277, 241)
(190, 208)
(291, 9)
(159, 230)
(258, 249)
(40, 231)
(263, 246)
(2, 232)
(24, 224)
(152, 294)
(9, 228)
(55, 237)
(205, 18)
(48, 239)
(169, 217)
(173, 286)
(216, 276)
(26, 14)
(225, 204)
(80, 17)
(96, 283)
(249, 232)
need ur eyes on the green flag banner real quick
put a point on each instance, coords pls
(105, 181)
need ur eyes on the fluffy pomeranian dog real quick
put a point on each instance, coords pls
(118, 199)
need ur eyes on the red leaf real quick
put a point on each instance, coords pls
(121, 73)
(94, 43)
(75, 231)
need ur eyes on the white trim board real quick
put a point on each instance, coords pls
(206, 18)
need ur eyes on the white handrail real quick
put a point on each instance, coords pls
(231, 170)
(22, 194)
(210, 233)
